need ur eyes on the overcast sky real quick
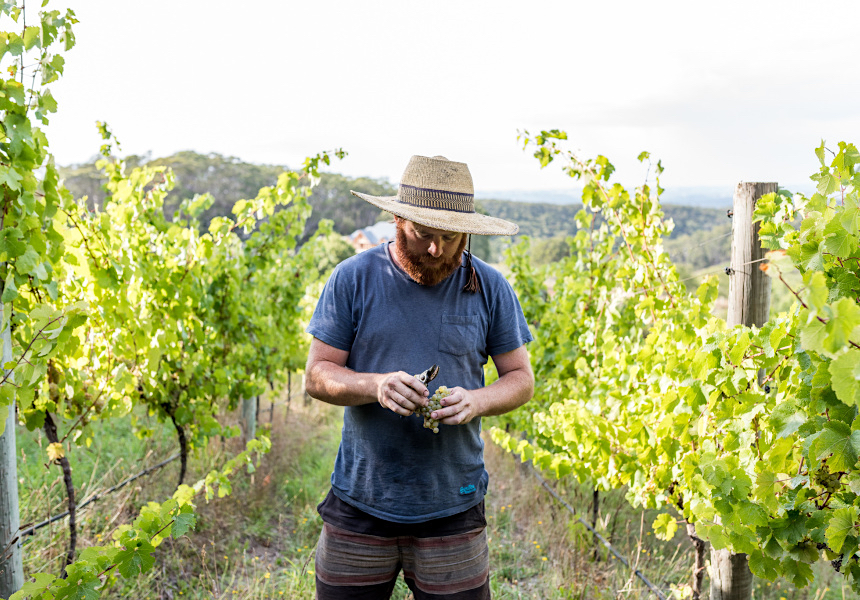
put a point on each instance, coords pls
(721, 91)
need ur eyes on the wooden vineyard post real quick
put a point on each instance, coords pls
(749, 287)
(11, 566)
(257, 418)
(289, 394)
(749, 304)
(249, 418)
(595, 512)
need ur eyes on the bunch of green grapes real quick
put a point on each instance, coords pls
(829, 481)
(435, 403)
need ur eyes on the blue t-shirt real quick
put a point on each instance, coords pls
(388, 465)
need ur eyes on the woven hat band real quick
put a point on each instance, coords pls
(436, 199)
(437, 192)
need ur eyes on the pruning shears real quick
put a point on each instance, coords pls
(428, 375)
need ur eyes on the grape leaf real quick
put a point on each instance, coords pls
(812, 336)
(799, 573)
(736, 353)
(844, 320)
(763, 566)
(665, 526)
(55, 451)
(82, 589)
(805, 552)
(791, 528)
(131, 562)
(817, 290)
(34, 588)
(752, 515)
(184, 521)
(845, 373)
(839, 241)
(28, 261)
(786, 418)
(827, 183)
(847, 284)
(10, 178)
(842, 524)
(836, 438)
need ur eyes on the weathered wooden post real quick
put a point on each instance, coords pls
(749, 304)
(595, 513)
(749, 287)
(11, 566)
(257, 418)
(249, 417)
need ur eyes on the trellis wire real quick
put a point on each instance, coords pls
(605, 542)
(93, 498)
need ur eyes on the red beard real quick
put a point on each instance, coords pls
(422, 267)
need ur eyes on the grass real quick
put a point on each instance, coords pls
(539, 550)
(115, 453)
(259, 542)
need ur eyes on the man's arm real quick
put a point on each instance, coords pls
(328, 379)
(514, 388)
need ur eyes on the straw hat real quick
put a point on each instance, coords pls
(437, 192)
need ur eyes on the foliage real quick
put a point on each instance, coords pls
(549, 251)
(228, 179)
(546, 220)
(131, 552)
(750, 433)
(31, 247)
(113, 305)
(330, 250)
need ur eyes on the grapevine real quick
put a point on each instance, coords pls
(114, 306)
(645, 389)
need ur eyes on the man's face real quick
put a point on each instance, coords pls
(428, 255)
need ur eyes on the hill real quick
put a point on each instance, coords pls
(546, 220)
(229, 179)
(701, 196)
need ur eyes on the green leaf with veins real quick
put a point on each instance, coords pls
(836, 439)
(843, 522)
(845, 371)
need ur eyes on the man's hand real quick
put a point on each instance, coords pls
(458, 408)
(513, 388)
(402, 393)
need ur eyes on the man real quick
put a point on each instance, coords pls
(403, 497)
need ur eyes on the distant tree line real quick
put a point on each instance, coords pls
(545, 220)
(230, 179)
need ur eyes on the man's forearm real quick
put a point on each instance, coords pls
(510, 391)
(341, 386)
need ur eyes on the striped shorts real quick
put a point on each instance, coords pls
(360, 556)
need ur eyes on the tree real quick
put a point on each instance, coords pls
(548, 251)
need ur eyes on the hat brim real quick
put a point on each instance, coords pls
(447, 220)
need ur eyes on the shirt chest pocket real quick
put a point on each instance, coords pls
(460, 334)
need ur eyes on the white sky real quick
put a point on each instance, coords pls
(721, 92)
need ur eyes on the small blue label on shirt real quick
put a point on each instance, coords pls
(469, 489)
